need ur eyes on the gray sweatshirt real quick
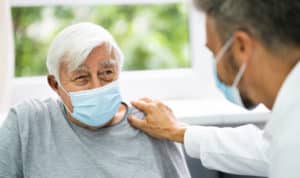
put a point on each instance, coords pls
(38, 141)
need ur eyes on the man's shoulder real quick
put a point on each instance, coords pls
(134, 111)
(33, 109)
(170, 146)
(34, 104)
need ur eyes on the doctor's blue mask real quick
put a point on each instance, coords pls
(95, 107)
(231, 93)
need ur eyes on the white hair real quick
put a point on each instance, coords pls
(73, 45)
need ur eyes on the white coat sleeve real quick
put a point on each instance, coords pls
(240, 150)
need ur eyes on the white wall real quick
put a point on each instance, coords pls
(6, 55)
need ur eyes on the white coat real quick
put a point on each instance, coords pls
(273, 152)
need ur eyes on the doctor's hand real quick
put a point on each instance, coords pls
(159, 121)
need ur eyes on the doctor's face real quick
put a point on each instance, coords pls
(228, 66)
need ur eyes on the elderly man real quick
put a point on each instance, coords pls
(85, 133)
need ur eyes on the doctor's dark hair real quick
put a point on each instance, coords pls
(276, 23)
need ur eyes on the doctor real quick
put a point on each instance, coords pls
(257, 49)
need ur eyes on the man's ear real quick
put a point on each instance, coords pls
(243, 47)
(53, 83)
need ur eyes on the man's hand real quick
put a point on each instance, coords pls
(159, 120)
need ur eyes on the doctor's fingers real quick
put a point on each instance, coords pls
(160, 105)
(153, 108)
(157, 104)
(136, 122)
(141, 105)
(147, 107)
(146, 99)
(145, 127)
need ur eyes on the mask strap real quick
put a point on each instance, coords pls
(223, 50)
(68, 110)
(63, 89)
(221, 54)
(60, 86)
(239, 75)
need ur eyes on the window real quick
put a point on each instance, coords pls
(149, 35)
(163, 42)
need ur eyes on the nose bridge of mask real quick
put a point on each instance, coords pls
(95, 90)
(110, 85)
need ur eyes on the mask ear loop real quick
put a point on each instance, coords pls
(221, 54)
(65, 91)
(239, 75)
(224, 50)
(60, 86)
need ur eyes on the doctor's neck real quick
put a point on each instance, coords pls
(272, 71)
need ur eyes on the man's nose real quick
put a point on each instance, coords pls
(95, 82)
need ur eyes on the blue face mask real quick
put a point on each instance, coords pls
(231, 93)
(96, 107)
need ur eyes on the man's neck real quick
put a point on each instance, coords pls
(119, 115)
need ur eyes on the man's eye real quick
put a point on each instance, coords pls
(106, 75)
(81, 78)
(107, 72)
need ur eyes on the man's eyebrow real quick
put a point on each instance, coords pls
(108, 63)
(81, 68)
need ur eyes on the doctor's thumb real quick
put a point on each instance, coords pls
(136, 122)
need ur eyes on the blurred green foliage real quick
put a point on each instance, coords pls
(151, 36)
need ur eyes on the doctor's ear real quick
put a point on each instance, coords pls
(52, 82)
(243, 47)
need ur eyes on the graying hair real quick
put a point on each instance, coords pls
(73, 45)
(276, 23)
